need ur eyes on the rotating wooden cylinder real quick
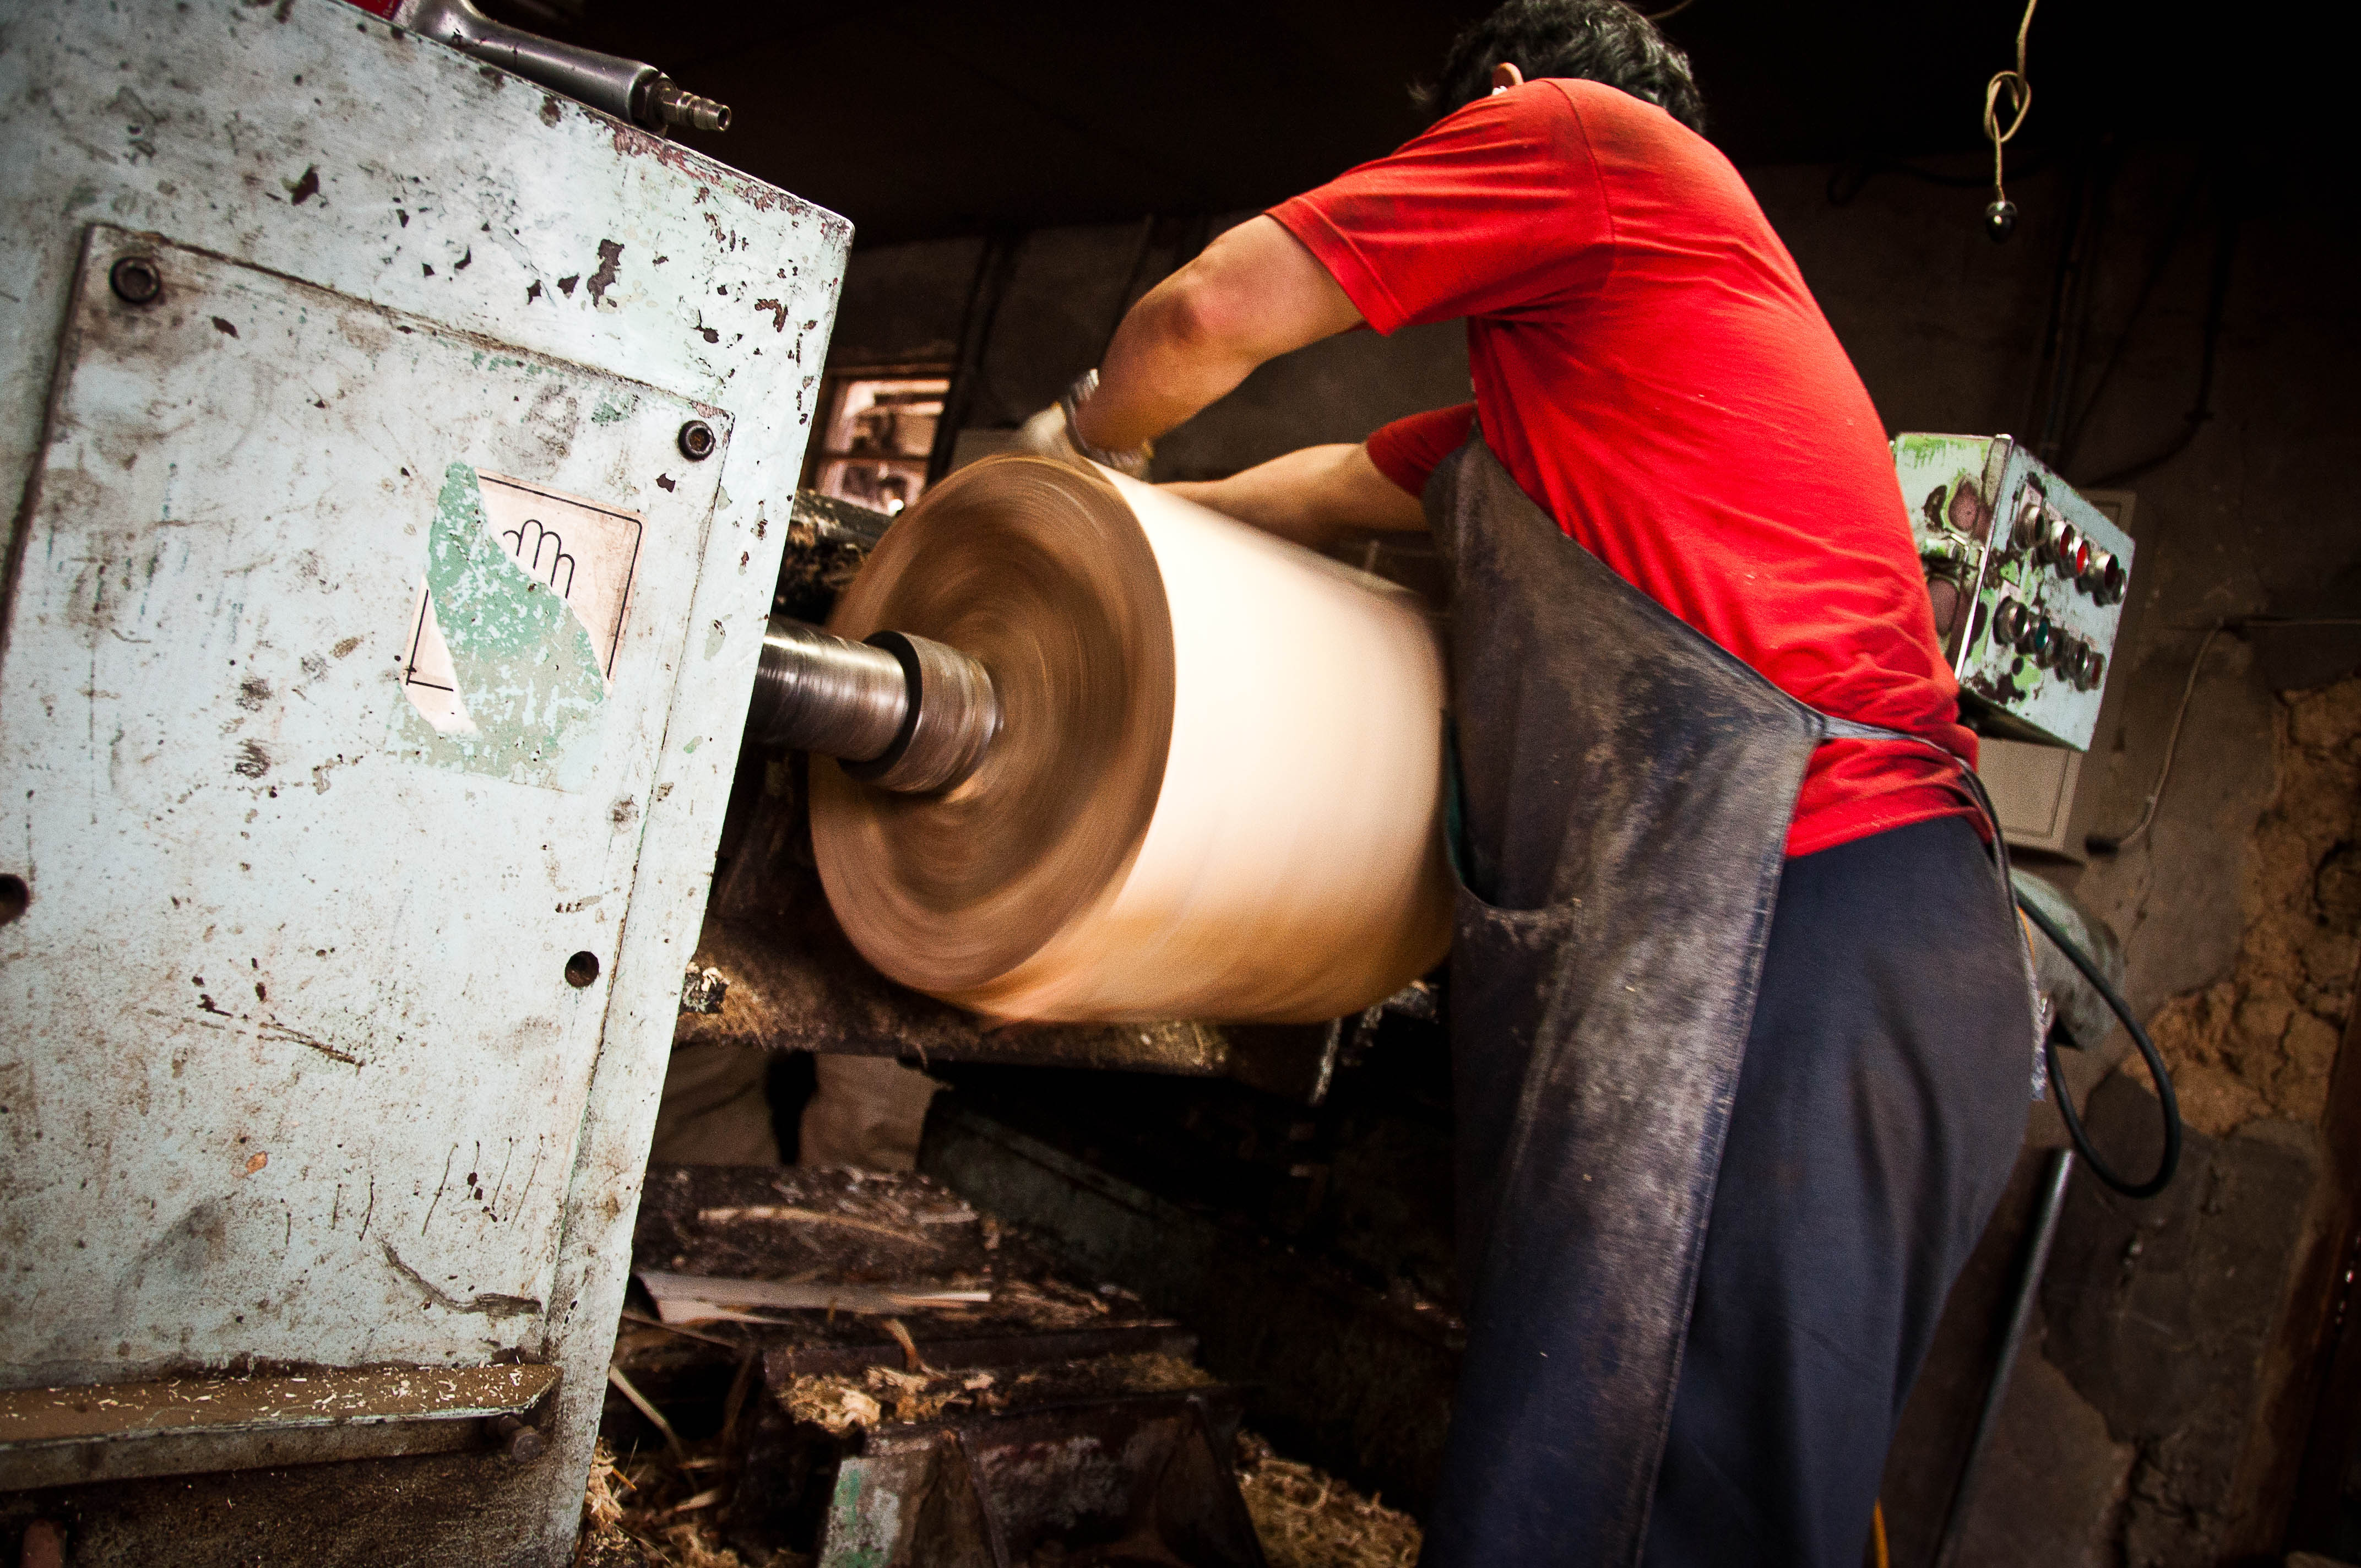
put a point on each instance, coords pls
(1215, 791)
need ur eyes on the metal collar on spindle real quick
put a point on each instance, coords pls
(901, 712)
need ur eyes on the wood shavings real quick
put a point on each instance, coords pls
(640, 1513)
(694, 1298)
(1307, 1519)
(640, 1402)
(602, 1493)
(732, 1214)
(841, 1402)
(911, 1359)
(833, 1403)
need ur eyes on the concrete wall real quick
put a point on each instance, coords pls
(2252, 519)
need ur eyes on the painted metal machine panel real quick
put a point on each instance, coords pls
(2028, 581)
(306, 1061)
(375, 212)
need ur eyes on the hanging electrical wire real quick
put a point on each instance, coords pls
(2110, 843)
(2167, 1160)
(2000, 218)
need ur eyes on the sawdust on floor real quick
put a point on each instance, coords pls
(658, 1510)
(652, 1511)
(2261, 1043)
(1307, 1519)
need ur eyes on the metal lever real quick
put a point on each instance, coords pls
(904, 713)
(626, 88)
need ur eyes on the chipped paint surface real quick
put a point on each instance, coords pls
(347, 1074)
(257, 931)
(865, 1527)
(528, 684)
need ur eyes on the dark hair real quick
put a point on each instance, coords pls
(1599, 40)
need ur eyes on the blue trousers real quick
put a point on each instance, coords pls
(1879, 1111)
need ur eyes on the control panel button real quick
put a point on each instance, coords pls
(2091, 576)
(2027, 532)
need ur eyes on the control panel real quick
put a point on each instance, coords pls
(2028, 580)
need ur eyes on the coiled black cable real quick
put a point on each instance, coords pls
(2171, 1161)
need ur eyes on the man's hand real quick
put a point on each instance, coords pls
(1254, 294)
(1313, 496)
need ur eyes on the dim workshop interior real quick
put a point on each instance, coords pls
(1300, 786)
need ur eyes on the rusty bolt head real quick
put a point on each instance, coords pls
(137, 280)
(521, 1444)
(696, 442)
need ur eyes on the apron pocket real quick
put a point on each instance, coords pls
(1504, 962)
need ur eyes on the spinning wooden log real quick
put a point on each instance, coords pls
(1102, 754)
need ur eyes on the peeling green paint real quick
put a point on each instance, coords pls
(609, 412)
(528, 676)
(858, 1536)
(1915, 447)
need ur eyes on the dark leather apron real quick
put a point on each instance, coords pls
(1625, 793)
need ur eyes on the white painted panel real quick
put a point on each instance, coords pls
(307, 138)
(306, 1071)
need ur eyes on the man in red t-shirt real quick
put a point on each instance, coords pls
(1651, 371)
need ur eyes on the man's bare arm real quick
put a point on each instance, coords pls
(1254, 294)
(1312, 496)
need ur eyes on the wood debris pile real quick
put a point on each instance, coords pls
(657, 1510)
(1307, 1519)
(838, 1403)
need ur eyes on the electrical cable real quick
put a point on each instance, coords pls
(2226, 250)
(2166, 251)
(2170, 1159)
(2000, 218)
(2108, 843)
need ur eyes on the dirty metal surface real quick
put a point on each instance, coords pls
(57, 1436)
(415, 1511)
(308, 141)
(796, 984)
(324, 1105)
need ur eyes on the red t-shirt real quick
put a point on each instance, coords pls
(1650, 369)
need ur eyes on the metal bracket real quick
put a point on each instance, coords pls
(56, 1437)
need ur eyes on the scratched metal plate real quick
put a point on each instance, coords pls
(308, 139)
(310, 1071)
